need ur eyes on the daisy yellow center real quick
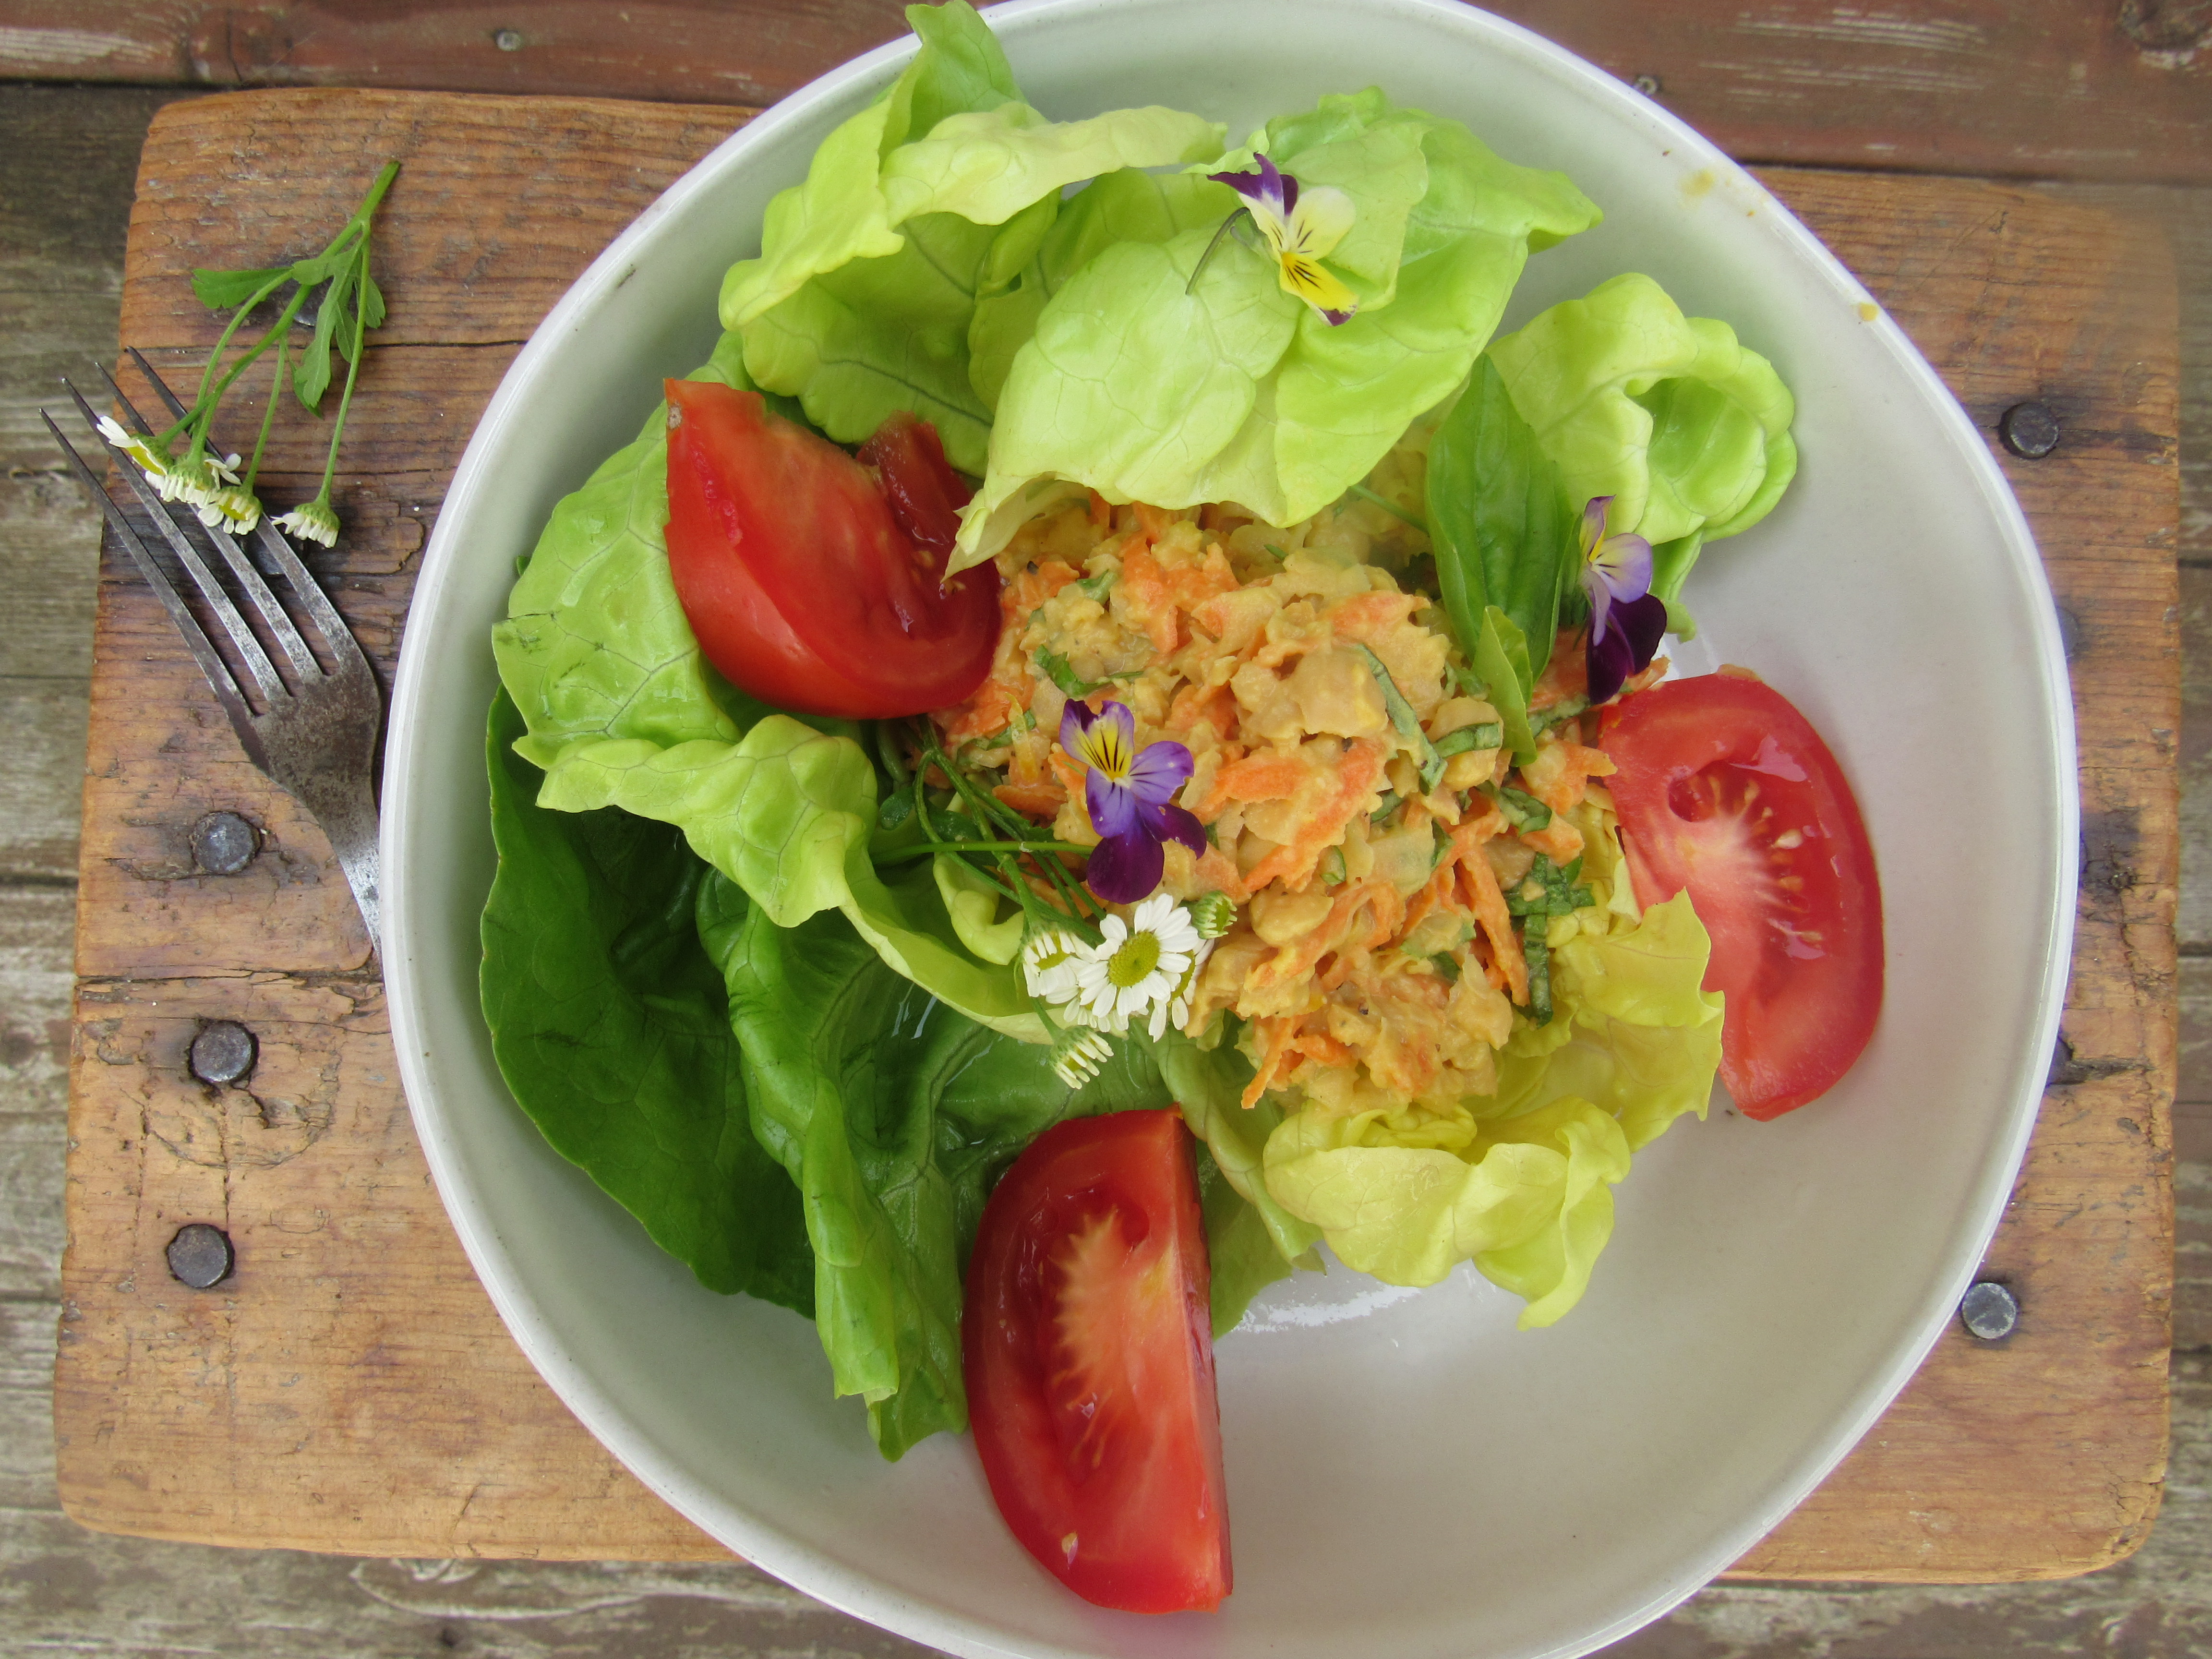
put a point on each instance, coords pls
(1133, 962)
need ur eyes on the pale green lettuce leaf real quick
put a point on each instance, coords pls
(1209, 1084)
(989, 165)
(1126, 206)
(861, 301)
(839, 213)
(874, 337)
(1685, 427)
(786, 813)
(1530, 1192)
(1526, 1197)
(595, 643)
(1146, 385)
(623, 709)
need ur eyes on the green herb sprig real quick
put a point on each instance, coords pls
(351, 306)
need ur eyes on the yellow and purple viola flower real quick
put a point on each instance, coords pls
(1627, 619)
(1131, 797)
(1301, 228)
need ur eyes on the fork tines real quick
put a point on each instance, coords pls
(312, 730)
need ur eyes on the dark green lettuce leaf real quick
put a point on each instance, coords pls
(612, 1027)
(896, 1115)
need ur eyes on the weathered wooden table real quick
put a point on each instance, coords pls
(350, 1388)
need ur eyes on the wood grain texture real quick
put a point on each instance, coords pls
(2038, 1456)
(2055, 88)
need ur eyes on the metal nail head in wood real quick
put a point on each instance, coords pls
(223, 1052)
(2030, 430)
(1989, 1311)
(508, 39)
(224, 843)
(200, 1255)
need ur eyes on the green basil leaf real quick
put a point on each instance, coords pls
(1501, 658)
(1499, 520)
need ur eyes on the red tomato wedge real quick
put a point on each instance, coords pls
(907, 458)
(794, 571)
(1724, 789)
(1089, 1354)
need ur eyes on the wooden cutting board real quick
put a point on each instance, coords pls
(350, 1388)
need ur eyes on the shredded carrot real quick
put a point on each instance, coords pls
(1270, 775)
(1153, 521)
(1567, 675)
(1488, 903)
(1102, 511)
(1357, 775)
(1035, 800)
(1274, 1049)
(1364, 616)
(1557, 841)
(987, 711)
(1212, 704)
(1218, 871)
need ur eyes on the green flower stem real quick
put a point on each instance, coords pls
(351, 244)
(923, 849)
(988, 809)
(353, 358)
(268, 416)
(1389, 506)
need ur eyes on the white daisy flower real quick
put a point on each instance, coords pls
(1136, 972)
(315, 522)
(1079, 1055)
(231, 507)
(139, 450)
(199, 484)
(1048, 962)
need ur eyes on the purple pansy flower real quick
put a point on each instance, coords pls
(1301, 229)
(1132, 800)
(1627, 619)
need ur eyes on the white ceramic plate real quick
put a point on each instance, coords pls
(1408, 1474)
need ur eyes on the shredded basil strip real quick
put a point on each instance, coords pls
(1056, 668)
(1537, 949)
(1565, 709)
(1549, 890)
(1408, 723)
(1522, 810)
(1488, 734)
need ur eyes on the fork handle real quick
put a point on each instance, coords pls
(347, 813)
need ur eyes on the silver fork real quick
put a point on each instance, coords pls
(314, 734)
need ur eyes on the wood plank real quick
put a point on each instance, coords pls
(2047, 88)
(2012, 297)
(1983, 1469)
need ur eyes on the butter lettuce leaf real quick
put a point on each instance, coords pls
(612, 1027)
(786, 813)
(1521, 1183)
(1684, 426)
(595, 643)
(862, 299)
(1029, 268)
(1144, 384)
(1209, 1084)
(623, 710)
